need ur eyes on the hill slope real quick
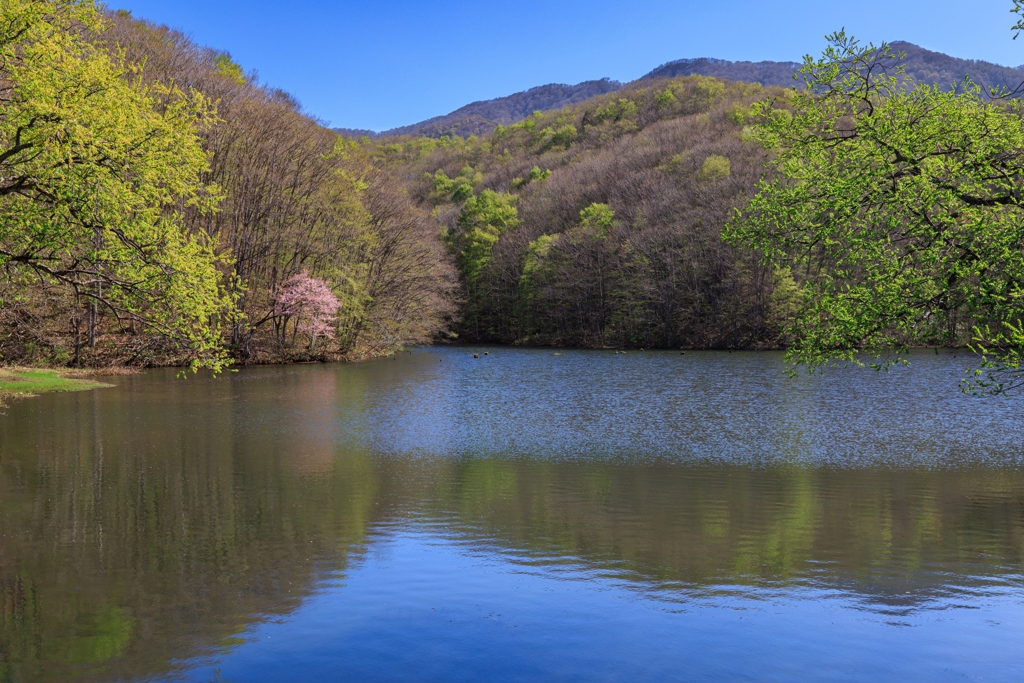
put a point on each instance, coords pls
(599, 224)
(926, 66)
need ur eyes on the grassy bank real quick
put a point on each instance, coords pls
(16, 382)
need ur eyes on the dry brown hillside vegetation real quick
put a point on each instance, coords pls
(600, 224)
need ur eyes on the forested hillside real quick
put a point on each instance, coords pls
(200, 217)
(160, 205)
(935, 68)
(600, 224)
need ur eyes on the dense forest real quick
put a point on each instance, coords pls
(175, 210)
(600, 224)
(255, 234)
(871, 208)
(159, 205)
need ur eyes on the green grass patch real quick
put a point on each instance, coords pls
(28, 381)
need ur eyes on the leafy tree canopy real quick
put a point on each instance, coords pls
(715, 167)
(482, 221)
(96, 169)
(599, 217)
(899, 208)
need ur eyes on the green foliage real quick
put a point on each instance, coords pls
(740, 114)
(900, 209)
(537, 175)
(708, 88)
(598, 217)
(536, 269)
(677, 162)
(481, 222)
(97, 169)
(786, 295)
(616, 110)
(536, 252)
(666, 98)
(457, 189)
(564, 136)
(226, 67)
(528, 124)
(715, 167)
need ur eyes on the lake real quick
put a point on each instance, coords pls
(525, 515)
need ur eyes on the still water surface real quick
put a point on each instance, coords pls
(522, 516)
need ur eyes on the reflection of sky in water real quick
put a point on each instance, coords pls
(739, 408)
(425, 607)
(440, 597)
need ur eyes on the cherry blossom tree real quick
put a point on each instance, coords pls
(311, 304)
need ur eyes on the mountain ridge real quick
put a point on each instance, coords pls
(482, 117)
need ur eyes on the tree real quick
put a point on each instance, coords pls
(96, 169)
(298, 197)
(311, 304)
(898, 206)
(655, 273)
(599, 218)
(1018, 9)
(715, 167)
(482, 221)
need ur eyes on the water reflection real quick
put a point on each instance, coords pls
(149, 530)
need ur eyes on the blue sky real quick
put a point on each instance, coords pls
(378, 64)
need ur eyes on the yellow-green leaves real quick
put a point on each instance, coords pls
(599, 218)
(482, 222)
(96, 169)
(228, 68)
(715, 167)
(457, 189)
(666, 98)
(898, 207)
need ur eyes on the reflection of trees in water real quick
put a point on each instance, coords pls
(157, 524)
(154, 530)
(880, 533)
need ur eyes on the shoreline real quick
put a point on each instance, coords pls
(27, 382)
(22, 382)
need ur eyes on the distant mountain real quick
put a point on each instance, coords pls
(925, 66)
(765, 73)
(356, 132)
(480, 118)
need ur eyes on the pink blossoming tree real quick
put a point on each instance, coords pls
(311, 304)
